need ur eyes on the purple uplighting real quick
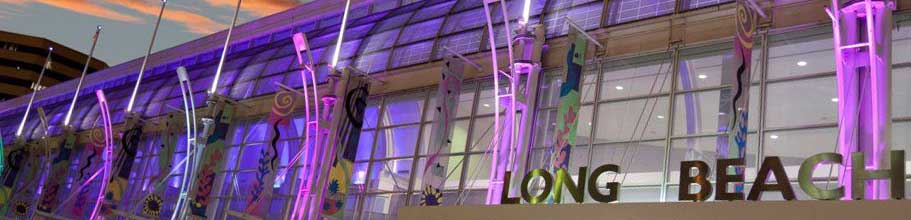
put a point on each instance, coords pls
(862, 51)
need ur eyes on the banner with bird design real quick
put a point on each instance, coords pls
(568, 110)
(447, 101)
(123, 166)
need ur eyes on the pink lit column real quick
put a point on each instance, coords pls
(863, 42)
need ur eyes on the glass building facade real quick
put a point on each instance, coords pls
(645, 112)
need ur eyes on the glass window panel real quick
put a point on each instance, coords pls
(562, 4)
(699, 113)
(396, 142)
(545, 127)
(901, 92)
(632, 120)
(463, 43)
(639, 194)
(631, 10)
(458, 138)
(348, 50)
(464, 21)
(357, 32)
(374, 62)
(630, 78)
(900, 141)
(703, 69)
(706, 149)
(433, 11)
(365, 144)
(372, 18)
(392, 22)
(383, 206)
(390, 175)
(586, 16)
(281, 64)
(462, 5)
(412, 54)
(267, 85)
(250, 155)
(814, 105)
(793, 147)
(404, 109)
(256, 132)
(550, 90)
(379, 41)
(901, 44)
(481, 134)
(638, 161)
(465, 104)
(370, 114)
(421, 31)
(478, 172)
(384, 5)
(453, 172)
(801, 53)
(693, 4)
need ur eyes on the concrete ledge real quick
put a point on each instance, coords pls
(741, 210)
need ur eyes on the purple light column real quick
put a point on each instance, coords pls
(863, 64)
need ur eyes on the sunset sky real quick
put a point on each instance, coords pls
(127, 24)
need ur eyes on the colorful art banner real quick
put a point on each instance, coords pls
(90, 160)
(261, 194)
(171, 127)
(2, 154)
(25, 190)
(447, 103)
(348, 118)
(60, 166)
(568, 110)
(129, 142)
(736, 70)
(15, 160)
(212, 161)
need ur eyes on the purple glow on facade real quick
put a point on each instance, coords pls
(108, 153)
(863, 65)
(504, 147)
(310, 152)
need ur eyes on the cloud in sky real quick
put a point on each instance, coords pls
(83, 7)
(259, 7)
(193, 22)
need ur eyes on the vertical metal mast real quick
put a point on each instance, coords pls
(329, 102)
(69, 113)
(224, 51)
(862, 32)
(35, 89)
(145, 59)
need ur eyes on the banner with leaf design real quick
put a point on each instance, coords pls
(260, 199)
(212, 161)
(447, 101)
